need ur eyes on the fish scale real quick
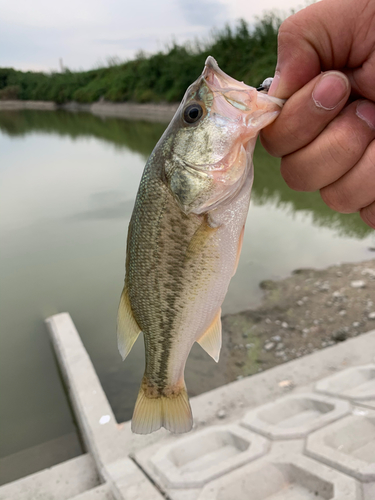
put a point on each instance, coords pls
(185, 237)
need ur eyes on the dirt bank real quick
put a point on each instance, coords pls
(308, 311)
(161, 113)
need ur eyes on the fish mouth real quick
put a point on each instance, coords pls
(218, 81)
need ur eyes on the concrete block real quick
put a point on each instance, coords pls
(295, 416)
(59, 482)
(368, 491)
(39, 457)
(102, 492)
(356, 383)
(348, 445)
(94, 414)
(128, 482)
(292, 477)
(368, 403)
(193, 461)
(270, 384)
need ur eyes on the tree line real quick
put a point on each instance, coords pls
(248, 53)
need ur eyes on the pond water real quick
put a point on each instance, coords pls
(67, 187)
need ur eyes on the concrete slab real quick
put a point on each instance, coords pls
(59, 482)
(102, 492)
(39, 457)
(101, 433)
(366, 404)
(298, 375)
(368, 491)
(112, 444)
(290, 477)
(92, 409)
(347, 445)
(129, 483)
(195, 460)
(356, 383)
(295, 416)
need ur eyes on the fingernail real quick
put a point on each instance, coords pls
(330, 90)
(366, 112)
(274, 84)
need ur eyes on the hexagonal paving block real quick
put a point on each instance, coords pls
(368, 403)
(347, 445)
(295, 416)
(357, 383)
(292, 477)
(193, 461)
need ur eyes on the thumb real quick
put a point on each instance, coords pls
(314, 39)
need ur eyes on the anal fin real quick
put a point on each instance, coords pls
(127, 327)
(210, 341)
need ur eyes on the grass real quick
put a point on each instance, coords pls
(247, 54)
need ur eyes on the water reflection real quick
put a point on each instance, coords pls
(141, 137)
(106, 205)
(270, 188)
(67, 184)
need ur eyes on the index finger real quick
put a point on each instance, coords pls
(320, 37)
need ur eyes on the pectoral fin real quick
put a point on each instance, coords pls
(211, 339)
(127, 327)
(239, 248)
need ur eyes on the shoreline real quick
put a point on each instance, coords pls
(308, 311)
(152, 112)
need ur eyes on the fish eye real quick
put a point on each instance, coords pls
(192, 113)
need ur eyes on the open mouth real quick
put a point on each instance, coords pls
(216, 79)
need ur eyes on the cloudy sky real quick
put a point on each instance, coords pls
(35, 34)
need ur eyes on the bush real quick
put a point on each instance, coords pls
(9, 93)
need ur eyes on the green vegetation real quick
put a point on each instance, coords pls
(246, 54)
(141, 137)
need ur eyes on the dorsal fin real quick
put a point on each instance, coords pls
(211, 339)
(127, 327)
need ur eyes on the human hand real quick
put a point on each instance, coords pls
(325, 140)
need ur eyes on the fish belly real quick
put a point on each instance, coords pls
(209, 283)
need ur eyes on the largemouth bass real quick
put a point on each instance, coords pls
(185, 238)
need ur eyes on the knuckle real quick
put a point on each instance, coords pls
(284, 137)
(290, 29)
(370, 155)
(291, 175)
(338, 199)
(339, 146)
(368, 215)
(268, 143)
(295, 136)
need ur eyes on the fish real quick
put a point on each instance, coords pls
(185, 237)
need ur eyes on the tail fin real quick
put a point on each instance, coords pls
(153, 411)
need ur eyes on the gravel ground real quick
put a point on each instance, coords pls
(310, 310)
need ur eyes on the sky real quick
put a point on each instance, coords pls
(36, 34)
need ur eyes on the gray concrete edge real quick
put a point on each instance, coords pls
(112, 444)
(238, 397)
(161, 113)
(104, 441)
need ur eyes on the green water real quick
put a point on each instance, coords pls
(67, 187)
